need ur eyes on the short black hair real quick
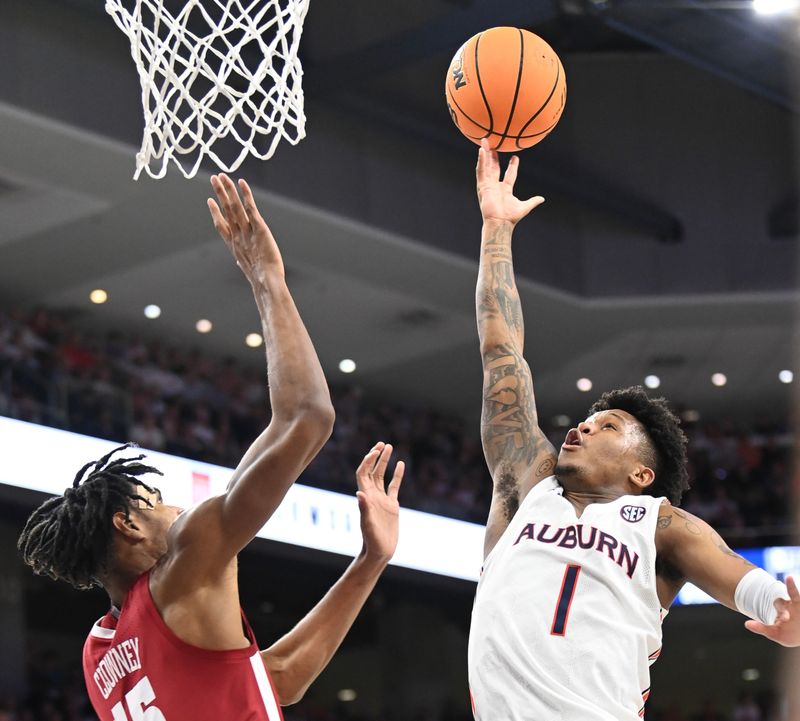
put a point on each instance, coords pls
(69, 537)
(667, 439)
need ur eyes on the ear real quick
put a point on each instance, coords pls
(642, 477)
(126, 527)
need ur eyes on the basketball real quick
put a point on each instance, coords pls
(508, 85)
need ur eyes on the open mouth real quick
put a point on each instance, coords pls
(573, 438)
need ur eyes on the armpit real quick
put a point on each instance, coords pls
(507, 491)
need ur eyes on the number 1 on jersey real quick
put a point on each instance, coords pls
(564, 604)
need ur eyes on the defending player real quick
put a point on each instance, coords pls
(584, 549)
(175, 645)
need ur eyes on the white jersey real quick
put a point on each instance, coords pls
(567, 620)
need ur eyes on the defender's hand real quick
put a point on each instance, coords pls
(495, 196)
(243, 229)
(786, 629)
(380, 511)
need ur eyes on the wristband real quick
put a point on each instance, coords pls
(756, 594)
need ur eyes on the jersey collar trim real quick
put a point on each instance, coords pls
(99, 631)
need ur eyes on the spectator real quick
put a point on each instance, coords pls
(192, 405)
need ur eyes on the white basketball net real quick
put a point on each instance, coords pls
(214, 70)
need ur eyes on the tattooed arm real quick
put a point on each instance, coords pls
(689, 549)
(517, 452)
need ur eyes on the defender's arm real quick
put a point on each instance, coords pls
(517, 452)
(300, 656)
(691, 550)
(302, 413)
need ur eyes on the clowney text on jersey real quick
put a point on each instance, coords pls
(120, 660)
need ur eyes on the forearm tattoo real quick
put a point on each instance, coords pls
(509, 431)
(500, 298)
(508, 425)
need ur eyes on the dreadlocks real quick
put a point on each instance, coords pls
(666, 447)
(69, 537)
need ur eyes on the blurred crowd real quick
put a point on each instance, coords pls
(186, 403)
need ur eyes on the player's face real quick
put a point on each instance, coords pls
(602, 450)
(155, 517)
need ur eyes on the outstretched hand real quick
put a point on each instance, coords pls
(786, 629)
(241, 226)
(380, 510)
(495, 196)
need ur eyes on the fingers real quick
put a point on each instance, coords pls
(380, 467)
(372, 470)
(532, 203)
(794, 594)
(365, 468)
(488, 163)
(758, 627)
(397, 479)
(219, 221)
(228, 196)
(511, 171)
(249, 201)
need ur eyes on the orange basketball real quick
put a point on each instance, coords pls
(508, 85)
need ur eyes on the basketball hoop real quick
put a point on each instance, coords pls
(214, 72)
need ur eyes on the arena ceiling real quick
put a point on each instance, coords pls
(667, 246)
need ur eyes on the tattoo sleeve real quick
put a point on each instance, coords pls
(508, 427)
(511, 437)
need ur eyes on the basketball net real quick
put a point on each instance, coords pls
(211, 71)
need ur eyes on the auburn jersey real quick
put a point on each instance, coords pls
(566, 620)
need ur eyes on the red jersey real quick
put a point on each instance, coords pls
(136, 669)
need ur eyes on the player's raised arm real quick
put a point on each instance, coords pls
(517, 452)
(691, 550)
(295, 660)
(302, 413)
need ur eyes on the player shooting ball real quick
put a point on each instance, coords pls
(585, 548)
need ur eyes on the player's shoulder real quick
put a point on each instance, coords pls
(548, 486)
(101, 633)
(677, 526)
(671, 516)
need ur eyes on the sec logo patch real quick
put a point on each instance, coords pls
(632, 514)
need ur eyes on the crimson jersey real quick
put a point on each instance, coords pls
(136, 669)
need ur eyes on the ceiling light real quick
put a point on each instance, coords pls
(652, 381)
(204, 325)
(584, 385)
(751, 674)
(786, 376)
(690, 416)
(719, 379)
(254, 340)
(773, 7)
(561, 421)
(98, 296)
(346, 694)
(347, 366)
(152, 311)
